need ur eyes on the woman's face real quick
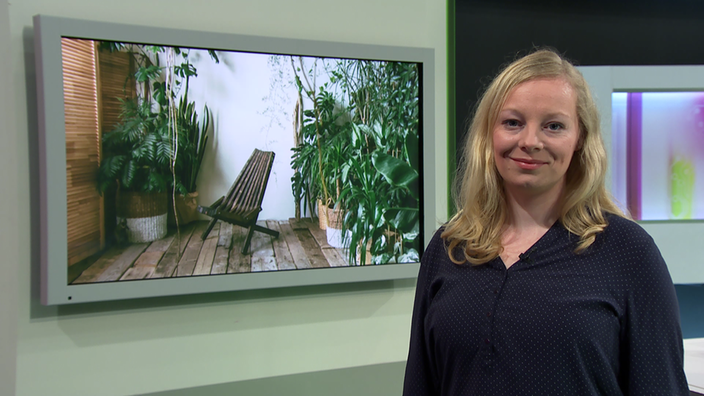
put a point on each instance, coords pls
(535, 136)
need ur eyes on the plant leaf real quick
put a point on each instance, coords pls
(396, 171)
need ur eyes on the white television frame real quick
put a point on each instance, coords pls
(680, 242)
(54, 286)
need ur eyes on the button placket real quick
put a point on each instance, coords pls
(491, 316)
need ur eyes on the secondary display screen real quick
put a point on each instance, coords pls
(658, 140)
(155, 132)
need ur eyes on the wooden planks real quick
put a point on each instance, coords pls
(263, 258)
(144, 266)
(205, 259)
(284, 258)
(298, 252)
(225, 239)
(222, 251)
(188, 261)
(300, 245)
(222, 254)
(92, 273)
(169, 261)
(237, 261)
(312, 249)
(332, 255)
(121, 263)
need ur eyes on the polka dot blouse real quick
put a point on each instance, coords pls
(602, 322)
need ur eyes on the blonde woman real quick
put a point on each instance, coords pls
(540, 285)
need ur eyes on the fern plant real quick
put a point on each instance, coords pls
(137, 153)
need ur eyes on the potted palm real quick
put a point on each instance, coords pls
(314, 159)
(136, 159)
(146, 156)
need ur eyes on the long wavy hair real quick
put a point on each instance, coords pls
(479, 194)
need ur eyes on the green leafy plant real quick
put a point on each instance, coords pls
(193, 139)
(322, 146)
(138, 152)
(365, 162)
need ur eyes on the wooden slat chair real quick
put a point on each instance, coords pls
(242, 204)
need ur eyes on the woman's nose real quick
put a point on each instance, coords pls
(530, 138)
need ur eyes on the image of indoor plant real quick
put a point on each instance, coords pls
(357, 154)
(193, 139)
(136, 164)
(157, 147)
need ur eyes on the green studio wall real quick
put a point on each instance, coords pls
(8, 242)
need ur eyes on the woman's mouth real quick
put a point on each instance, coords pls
(528, 163)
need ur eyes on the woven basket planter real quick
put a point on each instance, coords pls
(335, 236)
(322, 215)
(145, 215)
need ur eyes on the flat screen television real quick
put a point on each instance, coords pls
(177, 162)
(652, 129)
(653, 123)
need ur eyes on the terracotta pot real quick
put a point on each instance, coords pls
(186, 209)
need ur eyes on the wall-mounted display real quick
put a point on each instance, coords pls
(662, 136)
(653, 124)
(177, 162)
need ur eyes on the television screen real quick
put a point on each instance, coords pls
(197, 162)
(650, 122)
(661, 135)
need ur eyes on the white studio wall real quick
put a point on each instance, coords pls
(144, 346)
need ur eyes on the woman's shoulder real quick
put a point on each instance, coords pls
(628, 238)
(437, 242)
(623, 227)
(436, 251)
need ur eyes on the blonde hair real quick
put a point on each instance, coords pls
(479, 194)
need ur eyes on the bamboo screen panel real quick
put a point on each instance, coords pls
(114, 71)
(85, 208)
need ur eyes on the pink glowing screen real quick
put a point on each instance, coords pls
(658, 162)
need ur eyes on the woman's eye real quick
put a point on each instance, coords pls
(554, 126)
(511, 123)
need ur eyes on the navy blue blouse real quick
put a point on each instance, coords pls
(602, 322)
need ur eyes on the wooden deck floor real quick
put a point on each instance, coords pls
(301, 244)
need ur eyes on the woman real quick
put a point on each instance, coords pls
(539, 285)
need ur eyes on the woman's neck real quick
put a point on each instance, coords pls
(529, 218)
(526, 212)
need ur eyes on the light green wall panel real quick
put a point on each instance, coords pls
(375, 380)
(278, 339)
